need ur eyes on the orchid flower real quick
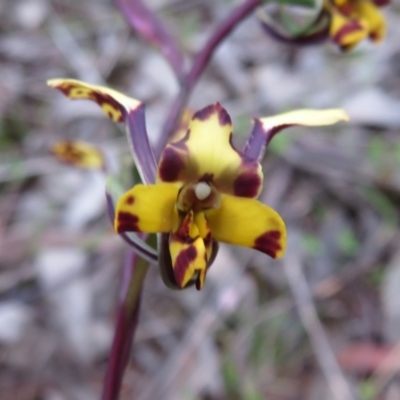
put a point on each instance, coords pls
(204, 190)
(354, 20)
(345, 22)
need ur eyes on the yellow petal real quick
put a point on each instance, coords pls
(206, 154)
(249, 223)
(147, 208)
(188, 258)
(368, 12)
(304, 117)
(79, 154)
(114, 104)
(345, 31)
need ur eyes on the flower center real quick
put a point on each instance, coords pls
(202, 190)
(197, 197)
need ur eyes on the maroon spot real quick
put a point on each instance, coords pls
(127, 222)
(102, 98)
(205, 112)
(345, 30)
(268, 243)
(182, 263)
(206, 178)
(64, 89)
(171, 165)
(223, 117)
(381, 3)
(247, 185)
(346, 9)
(130, 200)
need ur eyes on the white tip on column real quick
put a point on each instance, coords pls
(202, 190)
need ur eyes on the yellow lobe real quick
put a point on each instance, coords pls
(187, 259)
(147, 208)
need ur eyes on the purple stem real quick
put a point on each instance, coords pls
(128, 313)
(199, 64)
(146, 23)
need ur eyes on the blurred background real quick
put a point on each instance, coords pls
(326, 316)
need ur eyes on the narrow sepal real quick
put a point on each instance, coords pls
(119, 108)
(140, 146)
(264, 129)
(114, 104)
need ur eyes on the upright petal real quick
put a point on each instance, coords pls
(207, 154)
(147, 208)
(265, 129)
(249, 223)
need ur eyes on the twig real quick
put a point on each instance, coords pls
(318, 337)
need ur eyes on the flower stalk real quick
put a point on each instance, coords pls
(134, 273)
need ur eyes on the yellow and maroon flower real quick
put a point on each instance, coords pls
(354, 20)
(346, 22)
(204, 190)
